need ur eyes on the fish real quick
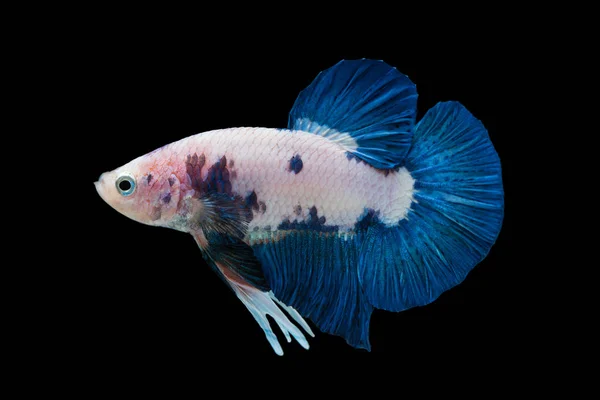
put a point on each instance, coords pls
(355, 206)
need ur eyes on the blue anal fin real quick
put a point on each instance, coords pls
(316, 273)
(366, 106)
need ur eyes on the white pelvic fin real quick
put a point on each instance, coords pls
(294, 314)
(260, 304)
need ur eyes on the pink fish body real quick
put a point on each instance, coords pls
(340, 213)
(258, 159)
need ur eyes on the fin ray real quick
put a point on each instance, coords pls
(235, 255)
(260, 304)
(316, 273)
(453, 221)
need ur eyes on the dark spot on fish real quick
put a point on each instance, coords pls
(218, 182)
(256, 229)
(171, 181)
(210, 177)
(194, 165)
(218, 178)
(252, 201)
(231, 163)
(312, 222)
(156, 213)
(295, 164)
(369, 218)
(297, 209)
(253, 205)
(267, 227)
(227, 188)
(284, 224)
(167, 198)
(149, 178)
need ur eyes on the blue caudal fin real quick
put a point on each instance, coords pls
(366, 106)
(454, 219)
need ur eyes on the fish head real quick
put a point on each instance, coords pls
(145, 189)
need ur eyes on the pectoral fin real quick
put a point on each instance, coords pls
(234, 256)
(234, 262)
(260, 304)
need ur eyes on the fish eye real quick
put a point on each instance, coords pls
(125, 185)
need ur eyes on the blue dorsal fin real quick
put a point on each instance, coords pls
(366, 106)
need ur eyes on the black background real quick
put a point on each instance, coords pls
(142, 298)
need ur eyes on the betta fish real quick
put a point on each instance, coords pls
(355, 206)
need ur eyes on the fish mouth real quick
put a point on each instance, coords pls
(99, 184)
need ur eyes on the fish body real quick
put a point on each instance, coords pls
(264, 163)
(353, 207)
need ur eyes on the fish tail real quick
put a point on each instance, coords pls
(453, 221)
(401, 255)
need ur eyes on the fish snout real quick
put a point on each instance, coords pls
(100, 185)
(99, 181)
